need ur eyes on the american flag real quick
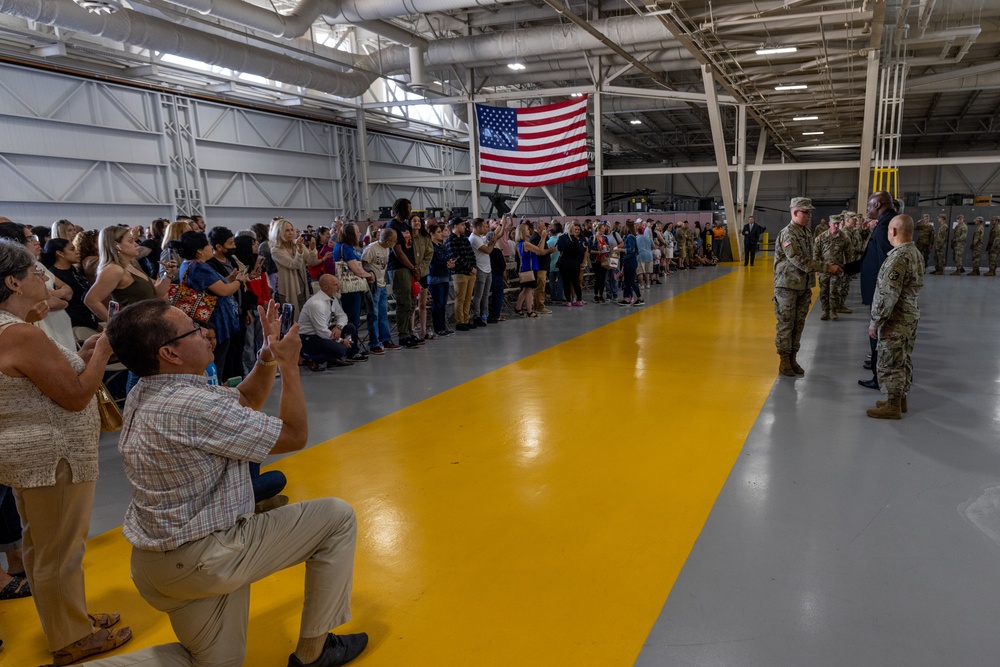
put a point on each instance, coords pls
(533, 146)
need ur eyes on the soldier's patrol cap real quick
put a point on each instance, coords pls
(836, 218)
(801, 203)
(979, 218)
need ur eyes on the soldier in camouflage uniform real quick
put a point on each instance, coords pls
(794, 267)
(960, 232)
(923, 237)
(682, 254)
(940, 246)
(993, 245)
(852, 222)
(689, 238)
(894, 318)
(977, 245)
(831, 248)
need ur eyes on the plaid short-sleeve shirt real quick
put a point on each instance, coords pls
(185, 447)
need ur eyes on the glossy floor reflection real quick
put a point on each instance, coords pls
(842, 540)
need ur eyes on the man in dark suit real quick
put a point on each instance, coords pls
(751, 236)
(880, 208)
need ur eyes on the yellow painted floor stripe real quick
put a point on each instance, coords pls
(536, 515)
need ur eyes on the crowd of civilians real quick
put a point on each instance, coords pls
(60, 284)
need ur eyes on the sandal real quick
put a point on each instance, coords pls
(105, 620)
(532, 314)
(17, 588)
(84, 648)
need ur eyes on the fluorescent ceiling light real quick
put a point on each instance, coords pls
(806, 118)
(826, 147)
(775, 50)
(635, 121)
(798, 86)
(806, 134)
(517, 67)
(576, 95)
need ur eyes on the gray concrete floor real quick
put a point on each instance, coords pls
(842, 540)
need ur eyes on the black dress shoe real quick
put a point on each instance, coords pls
(462, 327)
(340, 362)
(338, 650)
(871, 384)
(315, 365)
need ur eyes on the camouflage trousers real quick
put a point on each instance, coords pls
(790, 308)
(894, 366)
(977, 250)
(993, 260)
(925, 250)
(831, 291)
(958, 256)
(939, 258)
(845, 287)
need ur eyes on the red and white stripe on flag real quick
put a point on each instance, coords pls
(534, 146)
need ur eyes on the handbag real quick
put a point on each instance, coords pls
(349, 282)
(196, 305)
(613, 261)
(111, 416)
(526, 276)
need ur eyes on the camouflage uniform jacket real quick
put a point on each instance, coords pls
(894, 308)
(793, 258)
(977, 235)
(994, 238)
(924, 236)
(942, 235)
(831, 249)
(961, 233)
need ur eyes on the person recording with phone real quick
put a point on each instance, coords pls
(327, 336)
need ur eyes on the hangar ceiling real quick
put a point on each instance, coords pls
(333, 58)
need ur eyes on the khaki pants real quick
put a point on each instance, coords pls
(542, 282)
(205, 585)
(56, 520)
(463, 297)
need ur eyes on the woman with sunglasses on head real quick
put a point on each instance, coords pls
(49, 428)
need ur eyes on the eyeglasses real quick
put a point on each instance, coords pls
(197, 328)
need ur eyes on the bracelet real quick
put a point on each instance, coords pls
(273, 362)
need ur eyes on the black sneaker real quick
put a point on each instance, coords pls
(410, 343)
(359, 356)
(461, 327)
(338, 650)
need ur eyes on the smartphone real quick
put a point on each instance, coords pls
(113, 308)
(287, 313)
(260, 263)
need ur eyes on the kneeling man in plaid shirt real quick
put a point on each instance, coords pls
(196, 543)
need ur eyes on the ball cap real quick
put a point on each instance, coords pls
(801, 203)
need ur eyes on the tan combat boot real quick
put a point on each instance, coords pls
(826, 315)
(957, 272)
(833, 315)
(991, 272)
(974, 272)
(891, 409)
(937, 272)
(902, 404)
(845, 310)
(785, 366)
(795, 365)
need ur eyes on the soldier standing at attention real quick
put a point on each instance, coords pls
(831, 248)
(940, 246)
(894, 318)
(923, 237)
(793, 269)
(993, 245)
(977, 245)
(960, 233)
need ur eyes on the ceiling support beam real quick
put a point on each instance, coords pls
(362, 138)
(755, 178)
(598, 156)
(868, 129)
(741, 178)
(719, 140)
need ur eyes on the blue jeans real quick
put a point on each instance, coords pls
(439, 305)
(265, 485)
(496, 296)
(352, 306)
(133, 380)
(554, 292)
(378, 323)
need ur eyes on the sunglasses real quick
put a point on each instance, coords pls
(197, 328)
